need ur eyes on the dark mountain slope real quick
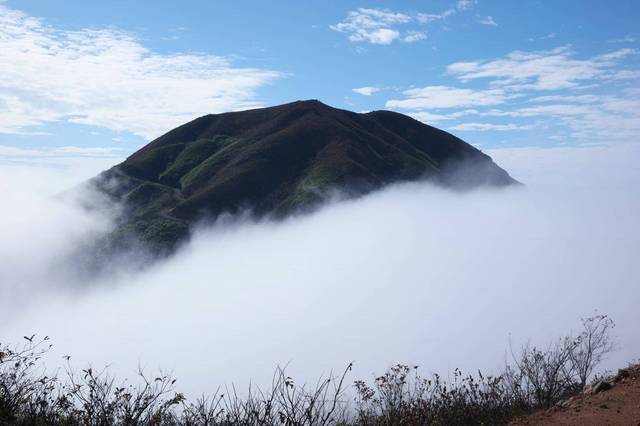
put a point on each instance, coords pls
(278, 160)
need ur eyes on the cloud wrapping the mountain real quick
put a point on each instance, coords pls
(40, 228)
(409, 274)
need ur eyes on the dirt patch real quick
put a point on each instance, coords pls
(614, 401)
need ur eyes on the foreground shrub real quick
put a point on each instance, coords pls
(542, 377)
(535, 378)
(402, 397)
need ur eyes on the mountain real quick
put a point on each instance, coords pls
(278, 160)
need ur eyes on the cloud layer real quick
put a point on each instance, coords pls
(410, 274)
(106, 77)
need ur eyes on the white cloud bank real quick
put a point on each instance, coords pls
(106, 77)
(410, 274)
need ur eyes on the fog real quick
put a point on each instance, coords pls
(411, 274)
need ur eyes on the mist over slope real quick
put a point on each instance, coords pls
(277, 161)
(413, 274)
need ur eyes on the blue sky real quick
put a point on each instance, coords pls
(84, 78)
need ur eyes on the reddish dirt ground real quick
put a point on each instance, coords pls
(619, 405)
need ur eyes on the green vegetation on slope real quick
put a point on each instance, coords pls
(190, 157)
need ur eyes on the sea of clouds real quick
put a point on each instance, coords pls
(410, 274)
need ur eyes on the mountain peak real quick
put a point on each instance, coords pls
(280, 159)
(310, 102)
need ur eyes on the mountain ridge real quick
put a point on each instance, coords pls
(277, 160)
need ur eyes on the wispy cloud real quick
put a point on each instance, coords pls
(15, 151)
(106, 77)
(465, 4)
(587, 100)
(366, 91)
(609, 114)
(375, 26)
(626, 39)
(433, 97)
(483, 127)
(413, 36)
(488, 21)
(425, 18)
(430, 117)
(602, 118)
(174, 33)
(545, 70)
(384, 26)
(549, 36)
